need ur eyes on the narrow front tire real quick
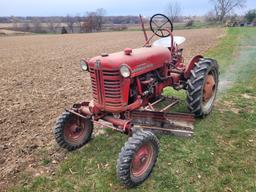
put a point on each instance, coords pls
(71, 131)
(137, 158)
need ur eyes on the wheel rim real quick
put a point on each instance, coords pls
(142, 160)
(209, 91)
(209, 88)
(75, 130)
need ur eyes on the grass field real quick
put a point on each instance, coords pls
(220, 157)
(196, 25)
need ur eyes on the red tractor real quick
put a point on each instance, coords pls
(126, 87)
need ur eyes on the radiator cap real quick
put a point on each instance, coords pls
(104, 54)
(127, 51)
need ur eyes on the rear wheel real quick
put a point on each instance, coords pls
(137, 158)
(202, 87)
(72, 132)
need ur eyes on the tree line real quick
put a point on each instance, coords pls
(221, 11)
(95, 21)
(91, 22)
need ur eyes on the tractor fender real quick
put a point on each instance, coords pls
(191, 65)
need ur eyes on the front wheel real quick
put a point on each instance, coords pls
(137, 158)
(202, 87)
(72, 132)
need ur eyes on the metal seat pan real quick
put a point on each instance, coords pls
(166, 41)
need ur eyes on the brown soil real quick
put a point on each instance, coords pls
(40, 76)
(10, 32)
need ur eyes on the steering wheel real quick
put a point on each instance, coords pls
(160, 25)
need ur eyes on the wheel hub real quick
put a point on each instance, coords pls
(74, 130)
(209, 88)
(141, 160)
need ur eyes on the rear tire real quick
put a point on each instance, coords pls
(137, 158)
(202, 87)
(71, 131)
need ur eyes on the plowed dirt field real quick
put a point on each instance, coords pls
(40, 76)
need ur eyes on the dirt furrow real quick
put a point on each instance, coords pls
(40, 76)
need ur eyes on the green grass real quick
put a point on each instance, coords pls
(196, 25)
(220, 157)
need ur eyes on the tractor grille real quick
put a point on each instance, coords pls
(106, 87)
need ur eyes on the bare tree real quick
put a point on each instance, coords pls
(100, 13)
(174, 11)
(210, 16)
(53, 24)
(70, 23)
(94, 20)
(79, 21)
(250, 16)
(37, 27)
(90, 23)
(15, 23)
(224, 7)
(25, 27)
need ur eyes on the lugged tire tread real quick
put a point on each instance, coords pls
(58, 131)
(125, 156)
(195, 85)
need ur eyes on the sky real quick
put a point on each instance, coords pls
(112, 7)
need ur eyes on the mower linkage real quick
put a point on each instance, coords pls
(156, 120)
(171, 100)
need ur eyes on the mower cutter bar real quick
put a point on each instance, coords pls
(178, 124)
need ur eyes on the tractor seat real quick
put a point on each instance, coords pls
(166, 41)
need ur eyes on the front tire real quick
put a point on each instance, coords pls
(137, 158)
(202, 87)
(72, 132)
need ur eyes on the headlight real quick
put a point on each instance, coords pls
(84, 65)
(125, 71)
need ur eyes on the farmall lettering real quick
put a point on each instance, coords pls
(142, 67)
(126, 88)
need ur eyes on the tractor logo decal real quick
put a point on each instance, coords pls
(142, 67)
(97, 64)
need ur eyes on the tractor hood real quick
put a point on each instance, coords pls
(140, 60)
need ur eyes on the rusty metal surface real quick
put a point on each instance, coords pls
(121, 123)
(143, 28)
(105, 125)
(175, 132)
(172, 103)
(78, 114)
(209, 88)
(171, 100)
(179, 124)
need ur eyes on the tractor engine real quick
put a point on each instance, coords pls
(126, 80)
